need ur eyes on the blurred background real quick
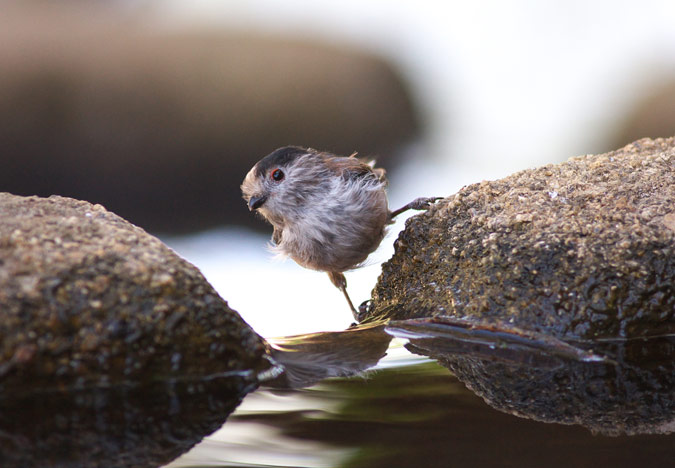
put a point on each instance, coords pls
(156, 109)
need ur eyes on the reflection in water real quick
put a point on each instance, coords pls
(244, 442)
(113, 427)
(498, 341)
(308, 359)
(403, 416)
(394, 416)
(613, 387)
(416, 415)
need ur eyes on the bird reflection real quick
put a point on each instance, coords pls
(308, 359)
(609, 386)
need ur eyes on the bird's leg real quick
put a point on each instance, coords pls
(340, 282)
(421, 203)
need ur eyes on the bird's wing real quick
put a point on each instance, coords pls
(355, 168)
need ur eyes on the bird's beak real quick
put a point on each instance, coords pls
(256, 202)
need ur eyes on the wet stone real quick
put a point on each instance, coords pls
(499, 278)
(87, 298)
(579, 250)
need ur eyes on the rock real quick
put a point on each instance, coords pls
(551, 292)
(90, 299)
(580, 250)
(161, 126)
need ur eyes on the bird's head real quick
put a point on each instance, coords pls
(279, 182)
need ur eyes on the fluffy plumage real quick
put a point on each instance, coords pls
(328, 212)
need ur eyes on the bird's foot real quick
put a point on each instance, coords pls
(421, 203)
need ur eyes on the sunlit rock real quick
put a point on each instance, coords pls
(551, 292)
(583, 249)
(87, 298)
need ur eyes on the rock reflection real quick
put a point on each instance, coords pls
(396, 416)
(143, 426)
(418, 415)
(609, 386)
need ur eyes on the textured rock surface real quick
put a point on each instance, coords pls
(88, 298)
(583, 250)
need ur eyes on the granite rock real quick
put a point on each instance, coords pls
(579, 250)
(89, 299)
(495, 280)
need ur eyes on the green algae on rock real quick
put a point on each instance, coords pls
(87, 298)
(579, 250)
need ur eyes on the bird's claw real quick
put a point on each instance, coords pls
(424, 203)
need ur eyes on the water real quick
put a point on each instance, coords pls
(410, 410)
(575, 408)
(397, 410)
(415, 415)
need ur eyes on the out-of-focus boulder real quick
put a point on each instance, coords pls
(652, 116)
(161, 126)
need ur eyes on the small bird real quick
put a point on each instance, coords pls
(328, 212)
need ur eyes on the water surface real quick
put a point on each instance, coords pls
(408, 412)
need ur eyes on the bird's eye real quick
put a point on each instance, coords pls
(277, 175)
